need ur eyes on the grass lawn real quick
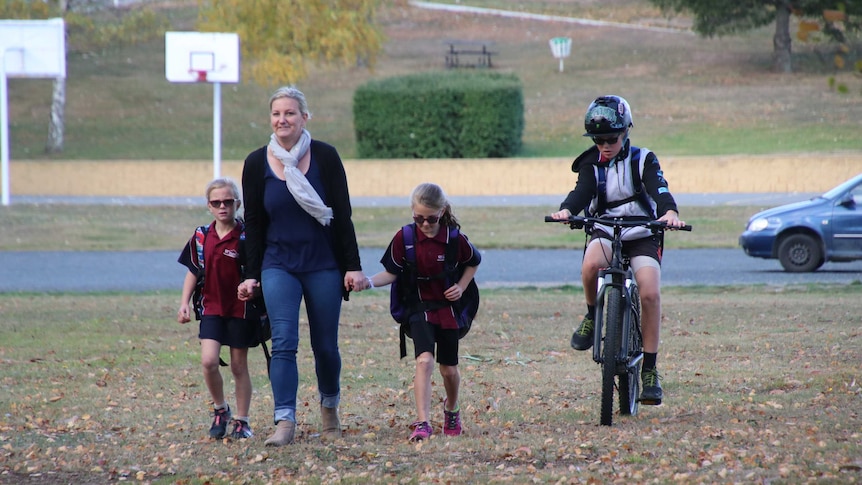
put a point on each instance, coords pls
(761, 385)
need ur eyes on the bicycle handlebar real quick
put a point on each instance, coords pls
(577, 222)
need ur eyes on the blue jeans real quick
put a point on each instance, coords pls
(283, 292)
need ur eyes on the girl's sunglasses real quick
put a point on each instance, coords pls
(419, 220)
(215, 204)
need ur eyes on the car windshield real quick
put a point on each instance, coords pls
(837, 191)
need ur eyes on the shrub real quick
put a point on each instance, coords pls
(450, 114)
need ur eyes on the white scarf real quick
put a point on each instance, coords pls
(297, 184)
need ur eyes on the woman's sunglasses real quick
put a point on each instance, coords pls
(215, 204)
(419, 220)
(601, 140)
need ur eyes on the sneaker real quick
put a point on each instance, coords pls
(220, 419)
(241, 430)
(651, 394)
(582, 339)
(451, 421)
(421, 431)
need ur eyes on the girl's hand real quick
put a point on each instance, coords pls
(453, 293)
(184, 314)
(355, 281)
(562, 215)
(672, 219)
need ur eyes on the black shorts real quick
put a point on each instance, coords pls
(236, 333)
(648, 246)
(425, 335)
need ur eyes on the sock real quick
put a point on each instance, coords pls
(241, 418)
(591, 311)
(649, 361)
(219, 407)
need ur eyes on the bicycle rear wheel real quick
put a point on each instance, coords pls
(630, 381)
(613, 334)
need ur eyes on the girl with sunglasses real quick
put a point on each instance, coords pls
(608, 186)
(434, 325)
(224, 319)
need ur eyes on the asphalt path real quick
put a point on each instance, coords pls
(135, 271)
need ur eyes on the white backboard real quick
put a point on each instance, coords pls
(33, 48)
(192, 57)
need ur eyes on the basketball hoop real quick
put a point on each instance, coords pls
(202, 76)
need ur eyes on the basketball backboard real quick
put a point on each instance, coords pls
(33, 48)
(192, 57)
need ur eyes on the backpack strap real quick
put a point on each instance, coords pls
(636, 160)
(408, 288)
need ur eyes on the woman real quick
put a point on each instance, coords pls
(301, 243)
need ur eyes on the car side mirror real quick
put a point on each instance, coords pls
(848, 200)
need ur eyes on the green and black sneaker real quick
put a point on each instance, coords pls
(651, 383)
(582, 339)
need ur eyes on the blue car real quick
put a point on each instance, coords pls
(804, 235)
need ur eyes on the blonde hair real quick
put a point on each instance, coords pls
(292, 93)
(220, 183)
(432, 196)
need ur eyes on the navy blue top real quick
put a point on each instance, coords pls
(295, 241)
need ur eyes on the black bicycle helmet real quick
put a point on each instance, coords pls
(607, 115)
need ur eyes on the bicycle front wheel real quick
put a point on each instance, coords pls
(630, 382)
(613, 335)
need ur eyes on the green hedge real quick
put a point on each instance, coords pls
(450, 114)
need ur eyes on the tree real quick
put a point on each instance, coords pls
(722, 17)
(278, 37)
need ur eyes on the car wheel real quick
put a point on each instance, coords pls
(800, 253)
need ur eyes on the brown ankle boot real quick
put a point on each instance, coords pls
(330, 426)
(284, 432)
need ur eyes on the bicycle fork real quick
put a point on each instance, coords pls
(622, 279)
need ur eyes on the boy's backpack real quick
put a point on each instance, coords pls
(255, 309)
(404, 293)
(637, 159)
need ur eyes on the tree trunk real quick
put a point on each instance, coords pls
(781, 41)
(58, 110)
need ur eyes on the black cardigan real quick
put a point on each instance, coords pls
(337, 196)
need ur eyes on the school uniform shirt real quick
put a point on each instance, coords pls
(221, 258)
(430, 261)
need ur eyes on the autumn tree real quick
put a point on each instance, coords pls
(721, 17)
(278, 38)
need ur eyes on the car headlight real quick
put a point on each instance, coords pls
(758, 224)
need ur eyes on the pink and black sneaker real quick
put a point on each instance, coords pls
(451, 421)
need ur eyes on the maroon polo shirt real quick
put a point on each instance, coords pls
(221, 257)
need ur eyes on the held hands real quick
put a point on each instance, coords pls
(355, 281)
(247, 289)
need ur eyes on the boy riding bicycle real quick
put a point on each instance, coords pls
(617, 179)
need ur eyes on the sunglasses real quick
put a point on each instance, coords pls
(419, 220)
(215, 204)
(610, 140)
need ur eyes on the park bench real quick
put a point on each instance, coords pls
(462, 53)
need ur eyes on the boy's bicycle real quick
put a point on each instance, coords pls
(618, 345)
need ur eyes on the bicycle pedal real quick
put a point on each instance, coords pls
(650, 402)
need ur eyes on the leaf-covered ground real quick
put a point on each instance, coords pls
(761, 386)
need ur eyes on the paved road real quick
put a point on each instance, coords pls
(158, 270)
(57, 271)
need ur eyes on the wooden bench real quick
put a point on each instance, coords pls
(468, 54)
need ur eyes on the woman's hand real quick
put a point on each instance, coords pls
(355, 281)
(246, 290)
